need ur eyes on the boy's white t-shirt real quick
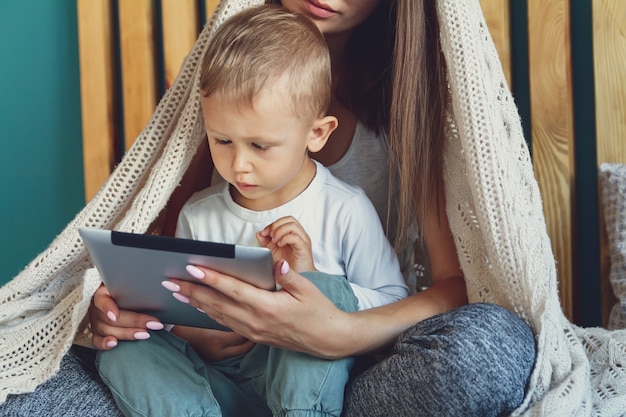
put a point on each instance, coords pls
(343, 225)
(366, 165)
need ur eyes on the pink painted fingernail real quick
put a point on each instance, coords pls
(169, 285)
(181, 298)
(111, 316)
(195, 272)
(111, 343)
(284, 268)
(201, 310)
(141, 335)
(154, 325)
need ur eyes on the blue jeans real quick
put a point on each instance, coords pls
(472, 361)
(165, 376)
(475, 360)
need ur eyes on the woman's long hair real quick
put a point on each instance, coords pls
(396, 82)
(418, 109)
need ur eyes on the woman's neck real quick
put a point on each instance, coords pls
(337, 46)
(340, 139)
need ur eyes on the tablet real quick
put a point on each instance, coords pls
(133, 266)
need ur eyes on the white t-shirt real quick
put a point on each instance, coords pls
(365, 164)
(343, 225)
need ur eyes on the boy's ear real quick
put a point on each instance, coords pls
(320, 132)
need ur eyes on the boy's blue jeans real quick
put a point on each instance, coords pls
(165, 376)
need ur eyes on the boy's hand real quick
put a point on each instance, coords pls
(214, 345)
(288, 241)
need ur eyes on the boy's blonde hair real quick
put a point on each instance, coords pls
(268, 46)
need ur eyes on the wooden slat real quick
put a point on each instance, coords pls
(497, 15)
(609, 48)
(137, 51)
(551, 100)
(210, 6)
(96, 91)
(180, 30)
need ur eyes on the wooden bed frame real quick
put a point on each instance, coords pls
(131, 50)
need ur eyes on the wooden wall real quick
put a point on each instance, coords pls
(553, 136)
(551, 117)
(129, 51)
(609, 46)
(154, 37)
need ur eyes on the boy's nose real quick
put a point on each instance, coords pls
(241, 162)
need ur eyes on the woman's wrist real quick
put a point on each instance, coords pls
(373, 330)
(362, 332)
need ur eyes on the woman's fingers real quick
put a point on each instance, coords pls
(225, 289)
(290, 318)
(216, 297)
(109, 324)
(104, 303)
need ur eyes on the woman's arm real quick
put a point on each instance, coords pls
(448, 284)
(299, 316)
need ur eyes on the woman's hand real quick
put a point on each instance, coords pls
(288, 240)
(295, 317)
(299, 317)
(109, 324)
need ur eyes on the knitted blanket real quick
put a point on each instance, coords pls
(493, 204)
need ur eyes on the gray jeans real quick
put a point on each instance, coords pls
(75, 391)
(473, 361)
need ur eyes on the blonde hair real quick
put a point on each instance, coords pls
(267, 46)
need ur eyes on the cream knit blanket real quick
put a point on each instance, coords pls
(493, 203)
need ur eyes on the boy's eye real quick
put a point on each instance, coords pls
(222, 141)
(260, 147)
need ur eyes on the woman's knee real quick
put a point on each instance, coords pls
(64, 394)
(493, 329)
(501, 337)
(486, 352)
(474, 360)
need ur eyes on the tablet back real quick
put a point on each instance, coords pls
(133, 266)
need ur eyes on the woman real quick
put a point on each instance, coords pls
(440, 356)
(368, 74)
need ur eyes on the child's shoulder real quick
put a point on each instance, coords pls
(207, 195)
(336, 185)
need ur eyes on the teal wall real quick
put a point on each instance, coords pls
(40, 129)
